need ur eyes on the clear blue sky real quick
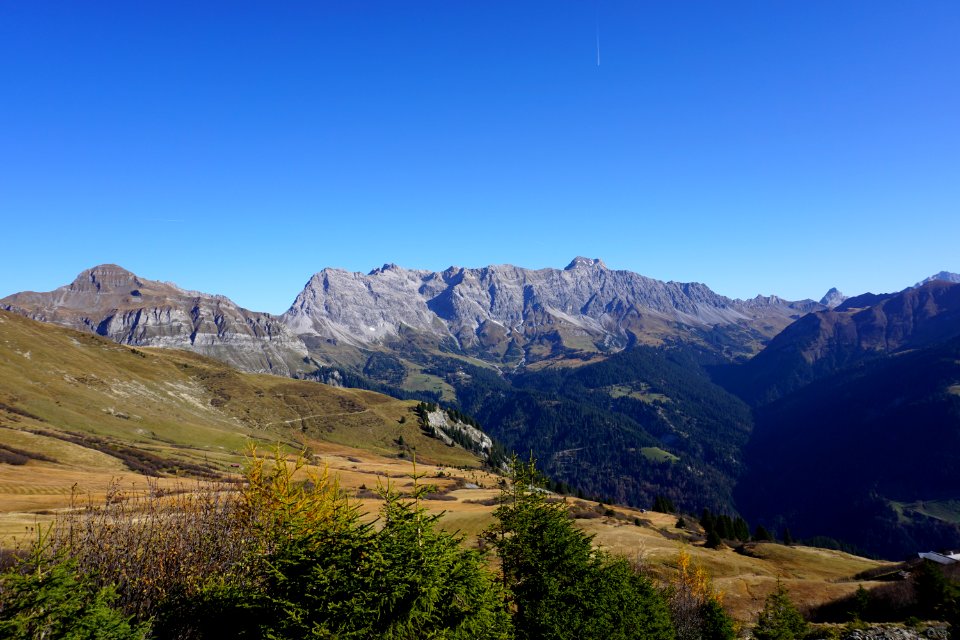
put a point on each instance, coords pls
(759, 147)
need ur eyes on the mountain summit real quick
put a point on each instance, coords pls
(943, 276)
(580, 262)
(833, 298)
(503, 314)
(115, 303)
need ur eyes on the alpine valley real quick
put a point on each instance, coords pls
(837, 419)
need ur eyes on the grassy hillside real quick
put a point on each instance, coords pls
(78, 409)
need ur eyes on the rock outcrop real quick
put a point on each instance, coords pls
(113, 302)
(507, 313)
(502, 314)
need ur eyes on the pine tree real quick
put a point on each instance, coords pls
(48, 598)
(787, 537)
(713, 539)
(706, 519)
(560, 586)
(426, 584)
(742, 530)
(780, 619)
(663, 504)
(861, 602)
(761, 534)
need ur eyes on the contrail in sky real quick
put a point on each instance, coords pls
(598, 42)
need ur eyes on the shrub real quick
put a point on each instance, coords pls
(158, 546)
(47, 597)
(560, 587)
(779, 619)
(695, 609)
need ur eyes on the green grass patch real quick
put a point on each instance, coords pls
(656, 454)
(637, 391)
(419, 381)
(945, 510)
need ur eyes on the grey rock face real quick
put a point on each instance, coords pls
(115, 303)
(503, 311)
(945, 276)
(441, 426)
(832, 298)
(894, 632)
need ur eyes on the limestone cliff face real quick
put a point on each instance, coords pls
(504, 312)
(115, 303)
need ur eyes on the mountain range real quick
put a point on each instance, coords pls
(624, 387)
(501, 314)
(509, 315)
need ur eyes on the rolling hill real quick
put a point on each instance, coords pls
(77, 407)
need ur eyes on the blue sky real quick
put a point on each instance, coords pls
(237, 148)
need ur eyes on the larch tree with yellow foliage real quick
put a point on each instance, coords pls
(695, 608)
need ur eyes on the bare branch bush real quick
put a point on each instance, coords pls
(161, 543)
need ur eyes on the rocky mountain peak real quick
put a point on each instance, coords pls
(833, 298)
(388, 266)
(943, 276)
(509, 314)
(105, 278)
(580, 262)
(115, 303)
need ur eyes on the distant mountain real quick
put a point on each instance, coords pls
(113, 302)
(511, 315)
(860, 329)
(832, 298)
(943, 276)
(502, 314)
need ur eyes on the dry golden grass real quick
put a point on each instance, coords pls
(812, 576)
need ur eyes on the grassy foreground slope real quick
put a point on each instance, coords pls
(77, 409)
(81, 409)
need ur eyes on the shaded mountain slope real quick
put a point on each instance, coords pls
(644, 422)
(870, 455)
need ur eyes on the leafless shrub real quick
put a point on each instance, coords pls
(438, 495)
(579, 513)
(15, 456)
(365, 493)
(161, 543)
(487, 502)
